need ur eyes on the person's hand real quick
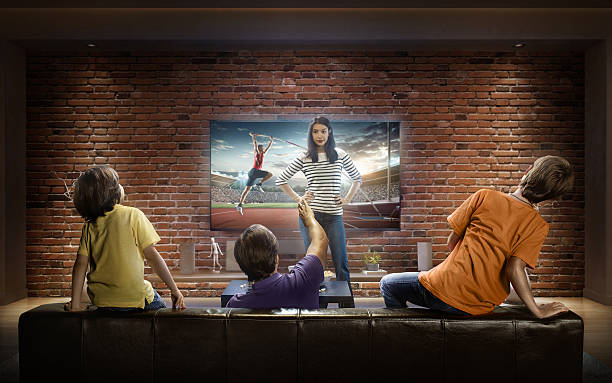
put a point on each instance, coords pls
(341, 201)
(251, 134)
(306, 214)
(453, 240)
(551, 309)
(177, 300)
(308, 197)
(68, 306)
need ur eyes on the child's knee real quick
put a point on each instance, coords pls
(384, 283)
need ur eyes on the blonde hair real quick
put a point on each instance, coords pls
(550, 178)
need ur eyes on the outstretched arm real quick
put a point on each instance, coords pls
(161, 269)
(515, 270)
(78, 279)
(269, 144)
(318, 239)
(254, 142)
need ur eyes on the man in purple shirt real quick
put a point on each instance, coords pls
(256, 252)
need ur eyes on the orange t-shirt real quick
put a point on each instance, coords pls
(494, 227)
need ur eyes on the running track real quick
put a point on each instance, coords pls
(284, 219)
(274, 218)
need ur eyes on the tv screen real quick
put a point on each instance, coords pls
(373, 147)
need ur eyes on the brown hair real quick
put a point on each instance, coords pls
(330, 145)
(550, 178)
(256, 251)
(96, 191)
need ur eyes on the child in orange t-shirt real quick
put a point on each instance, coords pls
(495, 235)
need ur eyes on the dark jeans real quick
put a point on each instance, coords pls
(333, 225)
(398, 288)
(156, 304)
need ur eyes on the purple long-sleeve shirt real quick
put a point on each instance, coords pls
(297, 289)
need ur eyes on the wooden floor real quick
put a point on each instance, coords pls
(597, 326)
(597, 321)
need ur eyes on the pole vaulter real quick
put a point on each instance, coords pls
(256, 171)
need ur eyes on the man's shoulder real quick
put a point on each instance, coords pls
(309, 259)
(310, 266)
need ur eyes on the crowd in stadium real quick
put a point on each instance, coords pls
(376, 192)
(229, 195)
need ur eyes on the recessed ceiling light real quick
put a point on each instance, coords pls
(519, 45)
(91, 45)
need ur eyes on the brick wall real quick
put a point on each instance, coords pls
(469, 120)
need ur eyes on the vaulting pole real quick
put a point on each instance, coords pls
(280, 139)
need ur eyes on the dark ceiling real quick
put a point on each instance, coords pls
(308, 4)
(424, 25)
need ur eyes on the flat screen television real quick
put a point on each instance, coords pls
(373, 147)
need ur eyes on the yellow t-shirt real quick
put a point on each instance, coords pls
(494, 227)
(115, 244)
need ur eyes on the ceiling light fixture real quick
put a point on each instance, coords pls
(91, 45)
(519, 45)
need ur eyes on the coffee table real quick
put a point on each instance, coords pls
(234, 287)
(330, 292)
(335, 292)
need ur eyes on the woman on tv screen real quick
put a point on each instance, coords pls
(322, 166)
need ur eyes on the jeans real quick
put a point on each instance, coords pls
(333, 225)
(398, 288)
(156, 304)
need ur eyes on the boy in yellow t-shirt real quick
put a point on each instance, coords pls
(115, 241)
(494, 236)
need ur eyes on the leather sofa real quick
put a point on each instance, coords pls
(356, 345)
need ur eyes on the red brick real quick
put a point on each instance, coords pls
(463, 127)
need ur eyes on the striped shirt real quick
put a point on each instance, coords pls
(324, 179)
